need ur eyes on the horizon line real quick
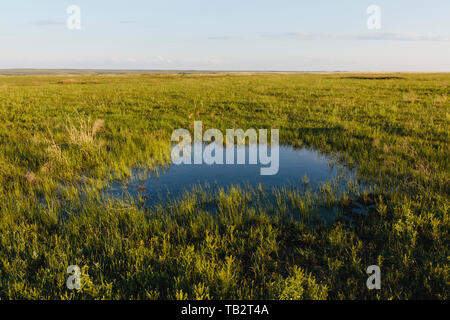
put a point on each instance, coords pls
(50, 71)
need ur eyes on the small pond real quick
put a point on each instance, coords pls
(294, 165)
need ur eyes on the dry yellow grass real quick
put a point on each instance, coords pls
(84, 134)
(30, 177)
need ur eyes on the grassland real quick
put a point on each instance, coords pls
(65, 136)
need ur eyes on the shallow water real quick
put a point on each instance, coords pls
(294, 165)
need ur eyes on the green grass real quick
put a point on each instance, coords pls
(66, 136)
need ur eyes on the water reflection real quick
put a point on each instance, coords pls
(298, 168)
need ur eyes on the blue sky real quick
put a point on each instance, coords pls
(295, 35)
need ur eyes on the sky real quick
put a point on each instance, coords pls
(276, 35)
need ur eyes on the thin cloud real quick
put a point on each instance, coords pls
(161, 59)
(42, 23)
(369, 36)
